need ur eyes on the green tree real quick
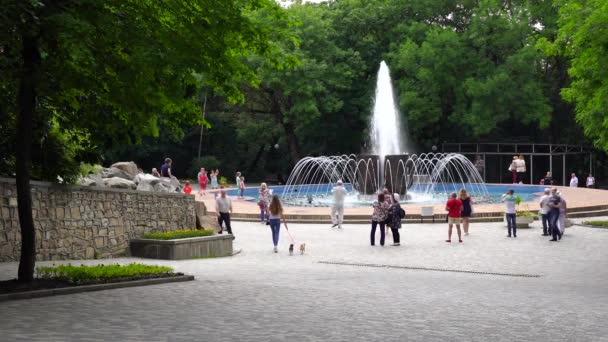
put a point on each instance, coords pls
(115, 71)
(583, 37)
(472, 76)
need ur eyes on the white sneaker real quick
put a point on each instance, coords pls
(396, 244)
(340, 226)
(466, 234)
(275, 250)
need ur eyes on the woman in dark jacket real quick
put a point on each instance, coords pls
(394, 219)
(467, 209)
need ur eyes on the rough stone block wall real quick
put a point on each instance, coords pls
(74, 222)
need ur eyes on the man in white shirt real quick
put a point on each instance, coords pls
(223, 208)
(590, 181)
(573, 180)
(337, 209)
(544, 210)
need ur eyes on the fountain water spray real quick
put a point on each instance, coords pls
(385, 133)
(428, 176)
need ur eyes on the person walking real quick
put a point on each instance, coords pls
(554, 204)
(337, 209)
(202, 181)
(544, 210)
(590, 183)
(513, 169)
(521, 169)
(263, 195)
(509, 200)
(573, 180)
(467, 209)
(454, 206)
(379, 216)
(394, 219)
(223, 208)
(275, 216)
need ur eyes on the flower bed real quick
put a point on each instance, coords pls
(178, 245)
(178, 234)
(598, 224)
(64, 279)
(83, 275)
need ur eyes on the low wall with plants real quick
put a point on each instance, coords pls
(183, 248)
(74, 222)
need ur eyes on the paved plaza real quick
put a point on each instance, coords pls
(536, 290)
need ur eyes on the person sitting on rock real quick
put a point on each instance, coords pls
(165, 170)
(155, 172)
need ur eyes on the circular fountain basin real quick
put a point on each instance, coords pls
(319, 195)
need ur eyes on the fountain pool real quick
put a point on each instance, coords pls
(321, 194)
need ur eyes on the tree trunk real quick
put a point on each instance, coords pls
(254, 162)
(290, 132)
(292, 141)
(30, 55)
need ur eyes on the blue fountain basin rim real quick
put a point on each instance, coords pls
(495, 191)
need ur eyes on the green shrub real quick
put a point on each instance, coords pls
(78, 275)
(223, 180)
(208, 162)
(602, 224)
(178, 234)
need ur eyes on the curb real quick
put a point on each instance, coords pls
(90, 288)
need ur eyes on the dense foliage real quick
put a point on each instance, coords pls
(83, 274)
(486, 70)
(79, 77)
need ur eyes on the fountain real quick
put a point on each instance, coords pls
(424, 178)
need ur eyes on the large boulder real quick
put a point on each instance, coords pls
(114, 172)
(146, 182)
(166, 184)
(130, 168)
(120, 183)
(204, 219)
(91, 180)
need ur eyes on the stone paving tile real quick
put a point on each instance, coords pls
(261, 296)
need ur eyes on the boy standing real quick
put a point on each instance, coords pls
(453, 207)
(509, 200)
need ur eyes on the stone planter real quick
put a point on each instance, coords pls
(522, 221)
(190, 248)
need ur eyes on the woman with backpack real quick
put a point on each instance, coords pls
(395, 215)
(467, 209)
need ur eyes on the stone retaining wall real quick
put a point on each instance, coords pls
(74, 222)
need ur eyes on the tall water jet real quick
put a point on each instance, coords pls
(385, 134)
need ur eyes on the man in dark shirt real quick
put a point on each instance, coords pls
(554, 204)
(165, 170)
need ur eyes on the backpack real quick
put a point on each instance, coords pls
(401, 213)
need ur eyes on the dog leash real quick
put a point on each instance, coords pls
(289, 234)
